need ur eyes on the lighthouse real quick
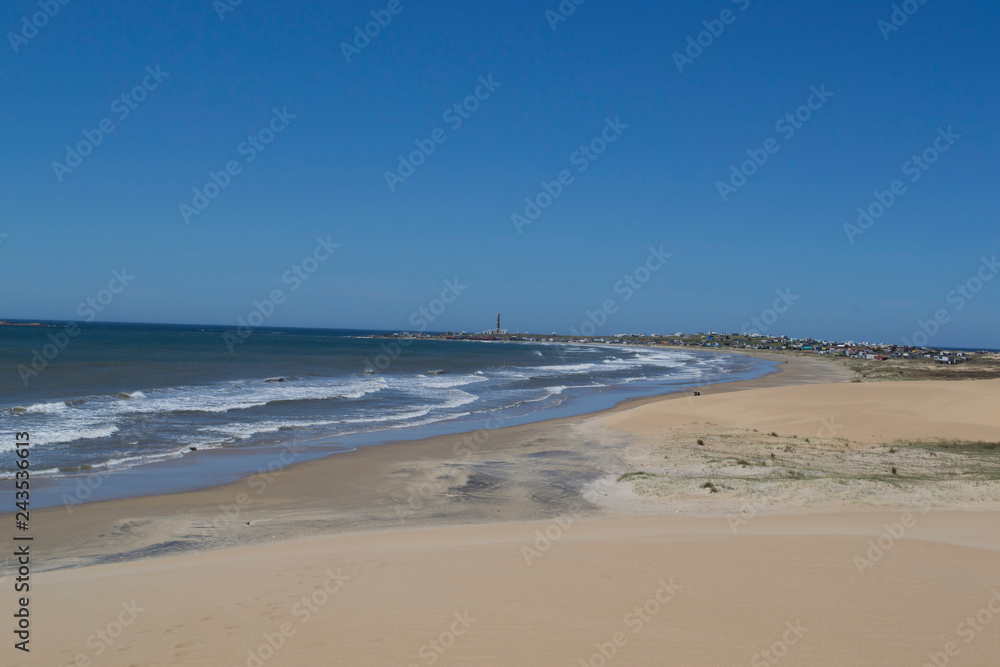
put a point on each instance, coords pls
(496, 332)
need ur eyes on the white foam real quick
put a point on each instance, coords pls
(454, 398)
(411, 400)
(42, 408)
(117, 463)
(448, 382)
(444, 400)
(237, 431)
(63, 434)
(244, 396)
(46, 472)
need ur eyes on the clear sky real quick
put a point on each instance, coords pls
(885, 95)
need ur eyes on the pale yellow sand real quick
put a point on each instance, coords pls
(726, 591)
(901, 444)
(858, 411)
(726, 597)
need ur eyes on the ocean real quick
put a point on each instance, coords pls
(120, 397)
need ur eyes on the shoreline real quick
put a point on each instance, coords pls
(204, 468)
(385, 486)
(522, 544)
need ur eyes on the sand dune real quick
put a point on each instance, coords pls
(670, 591)
(894, 444)
(877, 412)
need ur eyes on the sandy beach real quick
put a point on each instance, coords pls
(797, 519)
(577, 334)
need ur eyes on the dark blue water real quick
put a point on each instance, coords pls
(126, 396)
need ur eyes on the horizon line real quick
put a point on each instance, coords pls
(20, 321)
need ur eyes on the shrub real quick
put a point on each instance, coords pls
(641, 474)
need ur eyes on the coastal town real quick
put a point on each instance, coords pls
(871, 361)
(735, 341)
(986, 362)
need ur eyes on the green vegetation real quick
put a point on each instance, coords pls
(634, 476)
(951, 446)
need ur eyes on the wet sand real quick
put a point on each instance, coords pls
(518, 473)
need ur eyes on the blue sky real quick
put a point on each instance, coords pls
(656, 184)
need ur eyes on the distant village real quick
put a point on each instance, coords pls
(715, 340)
(712, 340)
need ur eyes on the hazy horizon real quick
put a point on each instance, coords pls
(473, 330)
